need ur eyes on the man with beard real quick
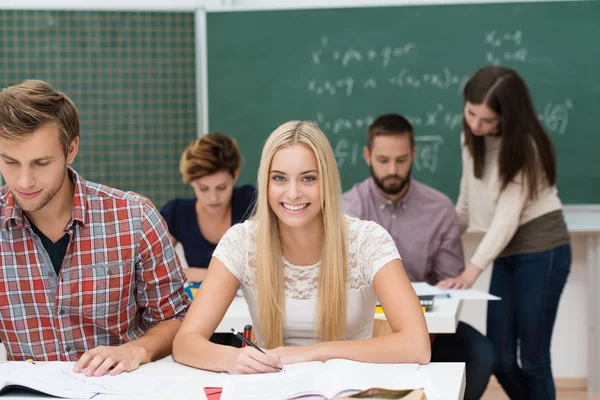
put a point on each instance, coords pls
(87, 272)
(423, 223)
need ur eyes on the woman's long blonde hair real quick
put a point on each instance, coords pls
(331, 305)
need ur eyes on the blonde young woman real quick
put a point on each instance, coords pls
(310, 274)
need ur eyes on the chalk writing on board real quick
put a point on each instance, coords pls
(496, 39)
(428, 147)
(346, 85)
(444, 79)
(337, 86)
(437, 117)
(341, 124)
(519, 55)
(348, 152)
(555, 117)
(349, 56)
(504, 46)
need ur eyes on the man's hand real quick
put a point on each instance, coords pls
(463, 281)
(101, 359)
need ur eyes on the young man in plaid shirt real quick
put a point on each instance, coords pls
(87, 272)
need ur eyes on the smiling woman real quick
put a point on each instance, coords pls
(310, 274)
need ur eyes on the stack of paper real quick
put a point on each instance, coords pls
(425, 289)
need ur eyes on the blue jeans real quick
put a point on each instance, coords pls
(467, 345)
(530, 286)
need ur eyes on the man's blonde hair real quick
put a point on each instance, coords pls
(331, 303)
(26, 107)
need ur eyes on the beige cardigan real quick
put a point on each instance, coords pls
(483, 208)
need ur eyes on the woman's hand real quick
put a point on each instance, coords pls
(464, 280)
(251, 361)
(194, 275)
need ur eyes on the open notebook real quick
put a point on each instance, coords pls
(58, 379)
(334, 378)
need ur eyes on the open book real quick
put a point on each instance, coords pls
(58, 379)
(334, 378)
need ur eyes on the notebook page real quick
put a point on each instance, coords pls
(8, 368)
(345, 376)
(58, 378)
(272, 386)
(29, 375)
(124, 383)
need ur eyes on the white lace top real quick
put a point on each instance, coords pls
(370, 247)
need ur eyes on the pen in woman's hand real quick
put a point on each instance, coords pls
(249, 343)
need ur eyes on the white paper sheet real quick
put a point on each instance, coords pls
(425, 289)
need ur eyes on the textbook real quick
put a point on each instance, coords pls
(214, 393)
(58, 379)
(332, 379)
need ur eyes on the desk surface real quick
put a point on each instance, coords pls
(443, 318)
(448, 379)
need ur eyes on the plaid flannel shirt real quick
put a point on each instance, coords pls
(120, 276)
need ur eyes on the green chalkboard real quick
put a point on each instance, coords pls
(132, 77)
(343, 67)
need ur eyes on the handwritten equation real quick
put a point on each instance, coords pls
(437, 117)
(428, 147)
(443, 79)
(345, 57)
(555, 117)
(348, 152)
(500, 46)
(504, 46)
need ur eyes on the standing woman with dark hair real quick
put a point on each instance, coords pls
(508, 190)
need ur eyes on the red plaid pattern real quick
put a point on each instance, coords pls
(120, 276)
